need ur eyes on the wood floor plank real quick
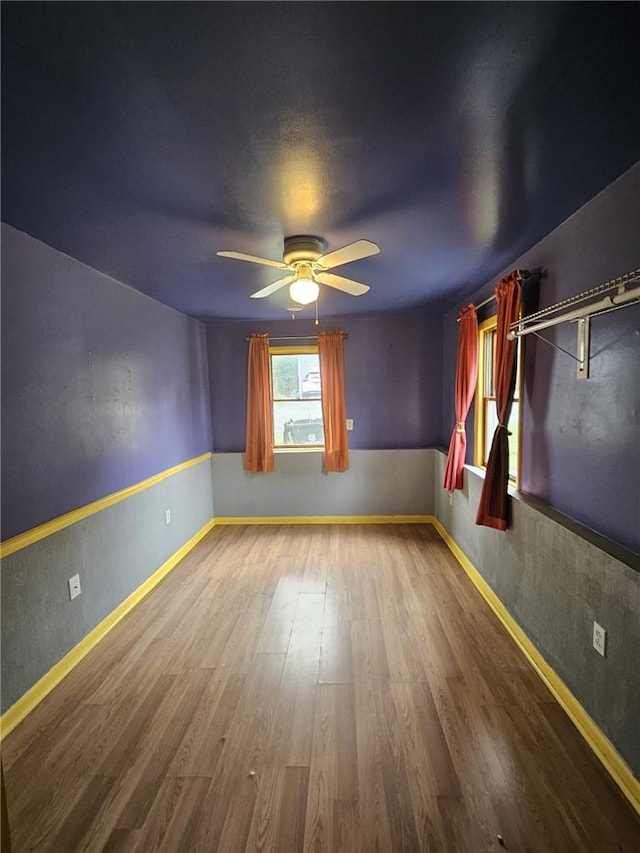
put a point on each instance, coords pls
(404, 832)
(72, 832)
(335, 654)
(267, 815)
(376, 830)
(276, 632)
(346, 826)
(368, 651)
(171, 823)
(323, 773)
(51, 802)
(243, 759)
(152, 752)
(203, 743)
(240, 648)
(121, 841)
(69, 751)
(293, 810)
(122, 752)
(309, 688)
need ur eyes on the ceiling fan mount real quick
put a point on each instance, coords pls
(303, 248)
(308, 266)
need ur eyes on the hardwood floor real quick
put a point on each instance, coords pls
(338, 688)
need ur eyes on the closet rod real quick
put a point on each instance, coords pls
(583, 308)
(617, 293)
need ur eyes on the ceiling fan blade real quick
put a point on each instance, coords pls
(352, 252)
(340, 283)
(271, 288)
(240, 256)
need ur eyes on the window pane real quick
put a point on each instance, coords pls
(297, 422)
(490, 424)
(487, 419)
(295, 376)
(489, 359)
(514, 426)
(285, 377)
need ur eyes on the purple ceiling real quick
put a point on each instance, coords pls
(142, 137)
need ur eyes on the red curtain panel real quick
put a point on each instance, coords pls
(492, 511)
(258, 455)
(334, 412)
(466, 378)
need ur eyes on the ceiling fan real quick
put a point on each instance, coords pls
(308, 266)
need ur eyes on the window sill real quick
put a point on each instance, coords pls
(315, 449)
(481, 472)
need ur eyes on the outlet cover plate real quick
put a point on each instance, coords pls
(74, 587)
(167, 516)
(599, 639)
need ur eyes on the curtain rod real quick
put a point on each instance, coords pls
(522, 274)
(296, 337)
(485, 301)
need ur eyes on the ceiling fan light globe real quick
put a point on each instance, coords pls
(304, 291)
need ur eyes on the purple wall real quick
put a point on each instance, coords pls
(393, 374)
(581, 438)
(101, 386)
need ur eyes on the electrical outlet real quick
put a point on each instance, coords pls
(349, 423)
(74, 587)
(599, 639)
(167, 516)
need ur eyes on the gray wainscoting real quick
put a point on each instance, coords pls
(379, 482)
(113, 551)
(555, 583)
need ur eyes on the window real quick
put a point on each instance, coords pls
(486, 419)
(296, 397)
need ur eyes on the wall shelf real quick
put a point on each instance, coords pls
(610, 296)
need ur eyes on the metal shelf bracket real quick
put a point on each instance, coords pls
(584, 328)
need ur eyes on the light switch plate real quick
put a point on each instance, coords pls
(349, 423)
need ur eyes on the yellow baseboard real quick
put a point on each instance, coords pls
(604, 750)
(329, 519)
(17, 712)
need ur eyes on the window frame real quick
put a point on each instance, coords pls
(310, 349)
(480, 426)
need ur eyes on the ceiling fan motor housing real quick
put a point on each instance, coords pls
(303, 248)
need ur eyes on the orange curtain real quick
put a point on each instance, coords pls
(258, 455)
(334, 412)
(466, 377)
(492, 511)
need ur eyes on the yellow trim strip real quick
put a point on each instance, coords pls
(17, 712)
(604, 750)
(10, 546)
(329, 519)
